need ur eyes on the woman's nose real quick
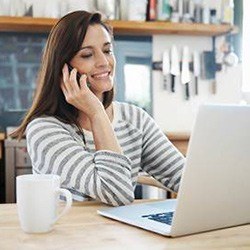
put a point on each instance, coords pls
(101, 60)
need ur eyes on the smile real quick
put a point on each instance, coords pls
(100, 76)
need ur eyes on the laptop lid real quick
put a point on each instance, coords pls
(214, 190)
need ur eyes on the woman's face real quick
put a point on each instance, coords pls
(96, 59)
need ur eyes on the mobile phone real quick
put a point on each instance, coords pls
(78, 75)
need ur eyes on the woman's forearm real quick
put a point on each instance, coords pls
(103, 133)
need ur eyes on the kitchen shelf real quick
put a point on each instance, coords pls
(44, 25)
(164, 28)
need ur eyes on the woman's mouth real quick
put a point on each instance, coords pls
(101, 75)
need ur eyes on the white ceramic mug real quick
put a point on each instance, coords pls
(37, 201)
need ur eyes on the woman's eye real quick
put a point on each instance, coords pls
(108, 51)
(86, 56)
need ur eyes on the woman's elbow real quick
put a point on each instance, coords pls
(128, 201)
(122, 202)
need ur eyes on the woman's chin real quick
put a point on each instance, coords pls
(101, 86)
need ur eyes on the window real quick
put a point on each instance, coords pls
(19, 63)
(137, 82)
(133, 71)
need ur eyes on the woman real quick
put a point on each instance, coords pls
(75, 130)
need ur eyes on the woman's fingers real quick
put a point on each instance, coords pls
(73, 91)
(69, 79)
(72, 77)
(78, 95)
(65, 78)
(83, 82)
(64, 90)
(65, 72)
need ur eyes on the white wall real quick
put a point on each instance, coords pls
(58, 8)
(171, 111)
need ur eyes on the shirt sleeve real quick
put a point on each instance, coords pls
(103, 175)
(160, 158)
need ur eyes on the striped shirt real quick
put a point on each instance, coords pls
(58, 148)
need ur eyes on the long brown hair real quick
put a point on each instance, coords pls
(64, 41)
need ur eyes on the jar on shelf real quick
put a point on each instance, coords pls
(227, 12)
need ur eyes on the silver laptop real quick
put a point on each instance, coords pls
(215, 186)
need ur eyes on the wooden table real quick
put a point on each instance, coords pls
(83, 229)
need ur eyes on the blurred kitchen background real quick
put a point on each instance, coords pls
(172, 56)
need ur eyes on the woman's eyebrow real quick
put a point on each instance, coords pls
(91, 47)
(86, 47)
(107, 43)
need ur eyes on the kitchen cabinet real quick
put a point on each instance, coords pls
(43, 25)
(17, 162)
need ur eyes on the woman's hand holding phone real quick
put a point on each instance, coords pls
(78, 75)
(78, 94)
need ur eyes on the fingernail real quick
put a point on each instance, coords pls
(84, 76)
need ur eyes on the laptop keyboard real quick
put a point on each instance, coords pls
(161, 217)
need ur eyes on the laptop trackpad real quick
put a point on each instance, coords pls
(167, 205)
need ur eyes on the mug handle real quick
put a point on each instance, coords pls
(68, 197)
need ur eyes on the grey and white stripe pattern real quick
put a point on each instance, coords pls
(57, 148)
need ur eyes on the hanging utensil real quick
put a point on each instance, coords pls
(230, 59)
(165, 68)
(208, 66)
(197, 69)
(185, 73)
(175, 66)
